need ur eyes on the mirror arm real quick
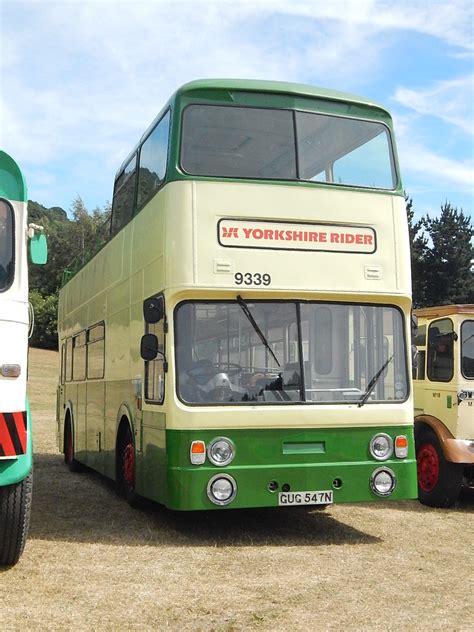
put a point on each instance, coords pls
(32, 229)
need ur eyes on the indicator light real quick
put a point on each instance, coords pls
(401, 447)
(10, 370)
(197, 452)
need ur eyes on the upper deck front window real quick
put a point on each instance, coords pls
(6, 245)
(271, 144)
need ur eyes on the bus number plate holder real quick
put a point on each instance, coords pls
(287, 499)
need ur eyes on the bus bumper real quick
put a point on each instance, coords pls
(259, 484)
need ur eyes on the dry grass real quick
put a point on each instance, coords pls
(93, 563)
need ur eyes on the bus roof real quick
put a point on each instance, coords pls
(444, 310)
(257, 85)
(12, 183)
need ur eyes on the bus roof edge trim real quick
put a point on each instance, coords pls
(257, 85)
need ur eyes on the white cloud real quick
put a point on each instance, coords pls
(452, 101)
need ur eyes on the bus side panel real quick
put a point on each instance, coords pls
(95, 407)
(153, 464)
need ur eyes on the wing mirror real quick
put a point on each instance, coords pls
(149, 347)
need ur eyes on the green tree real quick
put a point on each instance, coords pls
(447, 263)
(418, 252)
(71, 243)
(58, 229)
(45, 327)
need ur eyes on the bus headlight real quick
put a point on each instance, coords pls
(221, 489)
(221, 451)
(381, 447)
(383, 481)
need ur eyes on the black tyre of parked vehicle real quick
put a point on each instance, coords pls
(15, 509)
(69, 460)
(439, 480)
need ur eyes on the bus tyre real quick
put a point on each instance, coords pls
(439, 481)
(15, 508)
(69, 460)
(127, 470)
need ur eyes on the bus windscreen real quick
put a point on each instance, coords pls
(288, 352)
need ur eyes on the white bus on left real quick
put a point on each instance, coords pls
(16, 458)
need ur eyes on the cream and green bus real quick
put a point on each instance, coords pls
(242, 339)
(444, 403)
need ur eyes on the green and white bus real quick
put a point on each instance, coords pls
(242, 340)
(16, 458)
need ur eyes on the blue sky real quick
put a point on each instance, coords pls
(81, 80)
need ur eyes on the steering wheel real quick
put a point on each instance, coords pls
(208, 370)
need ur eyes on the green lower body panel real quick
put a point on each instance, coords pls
(268, 462)
(13, 470)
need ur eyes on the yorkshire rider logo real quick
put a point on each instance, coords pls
(235, 233)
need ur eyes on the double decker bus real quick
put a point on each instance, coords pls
(16, 456)
(444, 403)
(241, 339)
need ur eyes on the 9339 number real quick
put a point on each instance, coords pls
(252, 278)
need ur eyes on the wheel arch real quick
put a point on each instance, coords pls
(452, 451)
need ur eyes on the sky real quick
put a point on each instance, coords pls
(80, 80)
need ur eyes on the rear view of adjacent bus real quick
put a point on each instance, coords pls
(242, 339)
(15, 421)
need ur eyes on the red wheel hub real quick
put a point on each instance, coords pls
(129, 465)
(428, 467)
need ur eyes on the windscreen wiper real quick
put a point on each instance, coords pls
(253, 322)
(373, 382)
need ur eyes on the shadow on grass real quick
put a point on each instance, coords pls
(85, 508)
(464, 504)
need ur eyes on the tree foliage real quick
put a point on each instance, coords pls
(442, 255)
(71, 242)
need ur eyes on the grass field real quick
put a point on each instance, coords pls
(93, 563)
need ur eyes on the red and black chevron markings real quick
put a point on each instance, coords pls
(13, 433)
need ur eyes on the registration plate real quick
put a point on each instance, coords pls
(305, 498)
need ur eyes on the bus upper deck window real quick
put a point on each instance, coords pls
(124, 196)
(239, 142)
(344, 151)
(153, 159)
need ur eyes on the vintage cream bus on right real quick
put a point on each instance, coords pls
(444, 403)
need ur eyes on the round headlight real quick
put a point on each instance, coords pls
(383, 481)
(221, 489)
(221, 451)
(381, 447)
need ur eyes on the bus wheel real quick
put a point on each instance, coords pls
(15, 508)
(127, 470)
(73, 465)
(439, 481)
